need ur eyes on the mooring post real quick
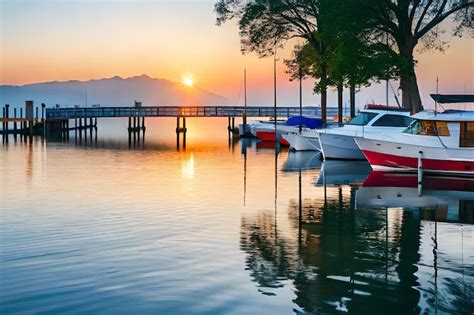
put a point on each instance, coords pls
(233, 123)
(80, 128)
(43, 106)
(420, 174)
(228, 123)
(15, 125)
(3, 123)
(177, 132)
(7, 115)
(67, 129)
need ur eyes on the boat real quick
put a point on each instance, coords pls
(265, 130)
(303, 141)
(338, 143)
(451, 196)
(440, 142)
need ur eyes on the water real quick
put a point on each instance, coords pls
(99, 227)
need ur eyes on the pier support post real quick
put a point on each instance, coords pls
(3, 123)
(30, 116)
(15, 124)
(420, 174)
(6, 115)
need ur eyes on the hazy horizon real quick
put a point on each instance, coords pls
(83, 40)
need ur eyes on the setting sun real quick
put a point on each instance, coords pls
(188, 81)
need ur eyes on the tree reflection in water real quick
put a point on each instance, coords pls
(341, 259)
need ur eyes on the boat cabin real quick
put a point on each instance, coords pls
(382, 116)
(455, 127)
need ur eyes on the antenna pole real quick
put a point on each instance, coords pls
(437, 92)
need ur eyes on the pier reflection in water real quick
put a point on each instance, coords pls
(240, 227)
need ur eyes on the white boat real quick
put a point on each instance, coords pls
(265, 130)
(442, 142)
(303, 141)
(338, 143)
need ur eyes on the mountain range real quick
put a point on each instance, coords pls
(114, 91)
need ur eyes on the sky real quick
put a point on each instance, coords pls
(45, 40)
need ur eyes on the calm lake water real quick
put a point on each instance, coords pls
(224, 228)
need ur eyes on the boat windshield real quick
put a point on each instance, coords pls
(362, 119)
(428, 128)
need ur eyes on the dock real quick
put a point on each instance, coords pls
(58, 122)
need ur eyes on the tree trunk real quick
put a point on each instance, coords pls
(340, 105)
(352, 96)
(410, 94)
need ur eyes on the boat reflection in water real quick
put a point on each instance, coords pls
(451, 197)
(336, 257)
(302, 160)
(343, 172)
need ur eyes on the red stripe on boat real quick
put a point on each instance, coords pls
(283, 141)
(383, 159)
(266, 135)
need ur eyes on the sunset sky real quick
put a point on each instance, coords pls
(65, 40)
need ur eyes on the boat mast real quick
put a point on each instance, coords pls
(437, 92)
(274, 89)
(301, 94)
(245, 89)
(386, 81)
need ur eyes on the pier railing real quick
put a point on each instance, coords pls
(174, 111)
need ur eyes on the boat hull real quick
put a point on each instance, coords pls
(386, 155)
(337, 146)
(300, 142)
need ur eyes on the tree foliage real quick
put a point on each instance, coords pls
(349, 42)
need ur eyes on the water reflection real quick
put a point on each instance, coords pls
(341, 257)
(452, 197)
(302, 160)
(338, 172)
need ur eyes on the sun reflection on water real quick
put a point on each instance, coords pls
(187, 167)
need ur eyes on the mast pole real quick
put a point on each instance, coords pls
(275, 91)
(301, 94)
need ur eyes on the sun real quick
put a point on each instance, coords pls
(188, 81)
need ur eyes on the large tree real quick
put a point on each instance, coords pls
(411, 22)
(351, 58)
(267, 24)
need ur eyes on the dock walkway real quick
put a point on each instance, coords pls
(176, 111)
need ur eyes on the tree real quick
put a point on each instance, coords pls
(351, 59)
(411, 22)
(267, 24)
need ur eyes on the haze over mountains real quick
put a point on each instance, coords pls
(115, 91)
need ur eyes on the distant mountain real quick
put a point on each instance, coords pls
(115, 91)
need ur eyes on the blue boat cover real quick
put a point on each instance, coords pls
(312, 123)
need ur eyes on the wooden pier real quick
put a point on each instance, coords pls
(57, 122)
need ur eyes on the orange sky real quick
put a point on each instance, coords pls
(64, 40)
